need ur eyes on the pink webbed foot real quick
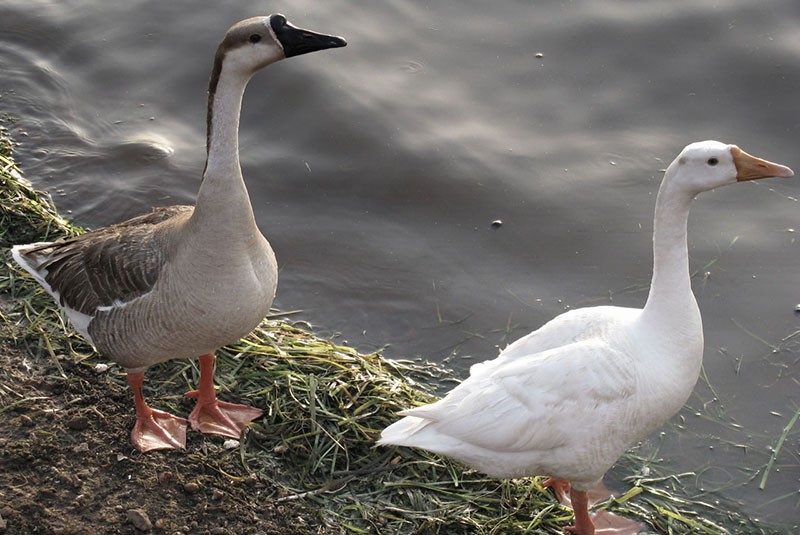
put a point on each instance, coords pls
(154, 430)
(221, 418)
(598, 522)
(215, 417)
(159, 431)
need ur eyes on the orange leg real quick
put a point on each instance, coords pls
(561, 487)
(578, 500)
(580, 506)
(154, 430)
(216, 417)
(598, 522)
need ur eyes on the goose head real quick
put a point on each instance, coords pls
(248, 46)
(707, 165)
(254, 43)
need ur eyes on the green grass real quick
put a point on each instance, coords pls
(325, 405)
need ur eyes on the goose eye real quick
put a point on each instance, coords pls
(255, 38)
(712, 161)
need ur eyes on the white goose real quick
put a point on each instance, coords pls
(181, 281)
(569, 399)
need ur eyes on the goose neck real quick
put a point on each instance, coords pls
(671, 290)
(223, 202)
(671, 328)
(224, 109)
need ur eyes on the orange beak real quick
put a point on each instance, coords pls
(751, 168)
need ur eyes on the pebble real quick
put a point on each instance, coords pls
(217, 495)
(165, 478)
(139, 519)
(191, 487)
(497, 223)
(230, 444)
(797, 308)
(78, 423)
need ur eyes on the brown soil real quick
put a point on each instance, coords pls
(67, 465)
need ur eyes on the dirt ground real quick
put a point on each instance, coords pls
(67, 465)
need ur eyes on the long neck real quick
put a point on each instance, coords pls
(223, 195)
(670, 328)
(671, 297)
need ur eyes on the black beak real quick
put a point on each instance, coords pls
(297, 41)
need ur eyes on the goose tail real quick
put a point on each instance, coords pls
(401, 433)
(32, 262)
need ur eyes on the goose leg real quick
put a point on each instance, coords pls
(561, 487)
(580, 506)
(215, 417)
(597, 523)
(154, 430)
(578, 500)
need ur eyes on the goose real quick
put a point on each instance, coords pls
(181, 281)
(568, 399)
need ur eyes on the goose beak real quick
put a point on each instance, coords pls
(297, 41)
(751, 168)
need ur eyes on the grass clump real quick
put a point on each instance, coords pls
(26, 215)
(325, 404)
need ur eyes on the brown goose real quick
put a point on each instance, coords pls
(181, 281)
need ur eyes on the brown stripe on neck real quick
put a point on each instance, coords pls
(212, 91)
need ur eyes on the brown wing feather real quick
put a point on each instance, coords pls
(112, 264)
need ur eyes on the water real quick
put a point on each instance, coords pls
(377, 171)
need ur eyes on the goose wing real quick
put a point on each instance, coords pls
(541, 402)
(593, 323)
(105, 267)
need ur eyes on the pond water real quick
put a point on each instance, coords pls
(377, 171)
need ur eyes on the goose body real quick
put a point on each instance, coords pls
(124, 287)
(181, 281)
(570, 398)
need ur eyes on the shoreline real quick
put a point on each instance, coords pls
(308, 466)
